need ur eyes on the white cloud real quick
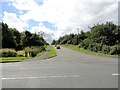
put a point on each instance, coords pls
(67, 15)
(24, 4)
(48, 34)
(13, 21)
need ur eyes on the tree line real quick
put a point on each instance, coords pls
(103, 38)
(12, 38)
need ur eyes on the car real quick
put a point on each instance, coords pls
(58, 47)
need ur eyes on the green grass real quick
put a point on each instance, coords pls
(12, 59)
(16, 59)
(52, 51)
(76, 48)
(40, 54)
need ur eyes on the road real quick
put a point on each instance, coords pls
(70, 69)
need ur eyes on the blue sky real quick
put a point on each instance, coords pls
(57, 17)
(6, 7)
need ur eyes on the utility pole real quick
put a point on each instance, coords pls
(78, 35)
(41, 34)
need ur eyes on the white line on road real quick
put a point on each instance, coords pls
(42, 77)
(115, 74)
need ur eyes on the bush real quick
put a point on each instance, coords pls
(21, 53)
(106, 49)
(115, 50)
(85, 43)
(95, 47)
(27, 49)
(8, 53)
(33, 51)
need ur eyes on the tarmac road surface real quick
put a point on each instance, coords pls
(69, 69)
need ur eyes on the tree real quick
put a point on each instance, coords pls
(12, 38)
(8, 40)
(75, 40)
(53, 42)
(104, 33)
(105, 36)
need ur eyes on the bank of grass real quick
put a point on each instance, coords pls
(51, 51)
(12, 59)
(76, 48)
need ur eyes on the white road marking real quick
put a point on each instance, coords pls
(115, 74)
(42, 77)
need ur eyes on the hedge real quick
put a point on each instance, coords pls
(33, 51)
(8, 53)
(21, 53)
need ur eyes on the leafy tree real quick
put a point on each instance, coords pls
(12, 38)
(75, 40)
(54, 42)
(101, 38)
(104, 33)
(8, 40)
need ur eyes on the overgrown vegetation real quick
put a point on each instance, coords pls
(76, 48)
(102, 38)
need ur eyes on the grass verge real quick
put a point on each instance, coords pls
(40, 54)
(12, 59)
(51, 51)
(76, 48)
(16, 59)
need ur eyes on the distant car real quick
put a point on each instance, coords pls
(58, 47)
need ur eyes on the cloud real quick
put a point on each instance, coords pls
(48, 34)
(66, 15)
(13, 21)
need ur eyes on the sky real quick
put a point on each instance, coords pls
(57, 17)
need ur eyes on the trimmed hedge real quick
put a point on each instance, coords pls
(8, 53)
(21, 53)
(33, 51)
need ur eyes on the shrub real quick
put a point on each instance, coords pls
(21, 53)
(95, 47)
(115, 50)
(33, 51)
(85, 43)
(90, 47)
(8, 53)
(106, 49)
(27, 49)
